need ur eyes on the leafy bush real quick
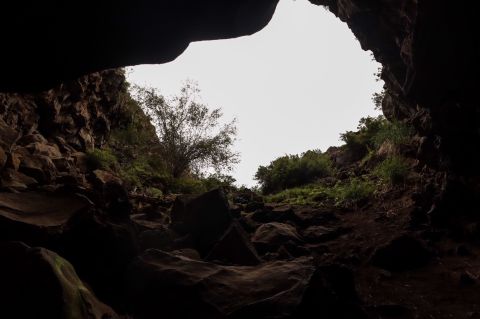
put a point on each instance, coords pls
(393, 170)
(352, 192)
(218, 180)
(143, 171)
(293, 170)
(362, 140)
(101, 159)
(394, 132)
(186, 185)
(154, 192)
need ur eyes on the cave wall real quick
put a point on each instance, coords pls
(47, 42)
(44, 137)
(429, 51)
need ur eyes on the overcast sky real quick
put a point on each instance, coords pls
(293, 86)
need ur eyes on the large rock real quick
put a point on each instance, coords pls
(100, 250)
(37, 283)
(205, 217)
(36, 217)
(271, 236)
(402, 253)
(172, 286)
(235, 248)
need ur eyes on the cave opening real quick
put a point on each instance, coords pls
(294, 86)
(389, 228)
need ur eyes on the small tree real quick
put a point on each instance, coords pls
(191, 137)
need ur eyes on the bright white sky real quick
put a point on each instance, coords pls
(293, 86)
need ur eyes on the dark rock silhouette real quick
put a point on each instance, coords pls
(37, 283)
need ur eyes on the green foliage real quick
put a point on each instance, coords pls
(362, 140)
(393, 170)
(293, 170)
(190, 134)
(373, 132)
(352, 191)
(186, 185)
(218, 180)
(101, 159)
(307, 195)
(396, 133)
(154, 192)
(143, 171)
(347, 194)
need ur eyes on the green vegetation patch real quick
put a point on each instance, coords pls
(101, 159)
(394, 170)
(293, 170)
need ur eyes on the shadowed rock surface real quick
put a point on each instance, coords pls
(37, 283)
(163, 284)
(116, 35)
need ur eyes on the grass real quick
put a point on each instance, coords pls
(353, 191)
(101, 159)
(396, 133)
(345, 194)
(394, 170)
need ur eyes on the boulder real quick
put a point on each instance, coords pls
(8, 136)
(402, 253)
(280, 214)
(111, 194)
(160, 238)
(36, 217)
(3, 157)
(307, 216)
(234, 248)
(38, 283)
(164, 285)
(11, 179)
(205, 217)
(269, 237)
(100, 248)
(318, 234)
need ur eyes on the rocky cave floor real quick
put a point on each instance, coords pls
(378, 262)
(209, 257)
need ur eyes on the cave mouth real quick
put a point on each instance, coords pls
(294, 86)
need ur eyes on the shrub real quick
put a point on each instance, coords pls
(361, 141)
(218, 180)
(396, 133)
(144, 170)
(154, 192)
(393, 170)
(293, 170)
(352, 192)
(186, 185)
(101, 159)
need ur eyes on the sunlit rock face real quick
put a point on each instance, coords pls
(430, 51)
(47, 42)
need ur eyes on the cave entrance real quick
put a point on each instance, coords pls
(293, 86)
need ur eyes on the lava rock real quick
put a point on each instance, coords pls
(38, 283)
(205, 217)
(318, 234)
(402, 253)
(234, 248)
(171, 286)
(38, 217)
(269, 237)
